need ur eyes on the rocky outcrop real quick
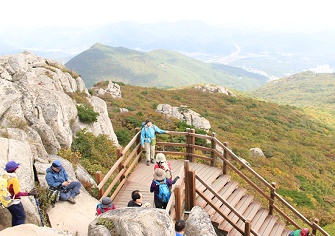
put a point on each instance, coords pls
(133, 221)
(186, 114)
(112, 89)
(198, 223)
(30, 229)
(215, 89)
(38, 116)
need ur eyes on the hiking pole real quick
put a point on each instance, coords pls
(39, 209)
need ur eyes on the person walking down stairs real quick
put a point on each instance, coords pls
(57, 177)
(148, 139)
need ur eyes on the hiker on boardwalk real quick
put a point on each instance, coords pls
(299, 232)
(16, 208)
(105, 205)
(58, 178)
(163, 164)
(148, 139)
(136, 201)
(160, 186)
(179, 227)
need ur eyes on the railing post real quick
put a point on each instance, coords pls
(272, 198)
(314, 228)
(188, 142)
(192, 143)
(226, 156)
(138, 140)
(247, 228)
(187, 185)
(177, 201)
(191, 179)
(98, 178)
(118, 156)
(213, 147)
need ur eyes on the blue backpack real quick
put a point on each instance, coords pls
(164, 191)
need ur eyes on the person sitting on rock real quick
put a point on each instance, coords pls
(105, 205)
(300, 232)
(180, 227)
(163, 164)
(57, 177)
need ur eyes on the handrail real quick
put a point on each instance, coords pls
(190, 146)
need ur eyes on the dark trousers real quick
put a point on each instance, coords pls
(161, 205)
(72, 190)
(18, 214)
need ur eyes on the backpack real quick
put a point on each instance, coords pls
(5, 198)
(164, 191)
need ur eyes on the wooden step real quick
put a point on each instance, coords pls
(259, 219)
(218, 184)
(249, 214)
(225, 192)
(241, 206)
(233, 199)
(286, 232)
(277, 229)
(268, 224)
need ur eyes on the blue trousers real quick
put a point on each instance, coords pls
(18, 214)
(72, 190)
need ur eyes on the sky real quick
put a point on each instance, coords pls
(284, 15)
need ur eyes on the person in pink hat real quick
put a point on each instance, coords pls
(16, 208)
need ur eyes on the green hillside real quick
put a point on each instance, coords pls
(157, 68)
(299, 149)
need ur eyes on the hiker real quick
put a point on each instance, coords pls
(161, 188)
(105, 205)
(148, 139)
(16, 208)
(57, 177)
(299, 232)
(179, 227)
(163, 164)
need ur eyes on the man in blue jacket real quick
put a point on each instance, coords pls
(58, 178)
(148, 139)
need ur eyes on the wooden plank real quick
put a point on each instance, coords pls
(277, 229)
(268, 224)
(286, 232)
(233, 199)
(248, 214)
(259, 218)
(241, 206)
(225, 192)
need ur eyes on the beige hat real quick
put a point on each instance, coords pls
(159, 174)
(160, 157)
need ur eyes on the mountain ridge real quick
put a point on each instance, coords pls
(157, 68)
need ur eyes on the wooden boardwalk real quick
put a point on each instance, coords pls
(142, 177)
(262, 222)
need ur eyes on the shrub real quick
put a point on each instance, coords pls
(123, 136)
(87, 114)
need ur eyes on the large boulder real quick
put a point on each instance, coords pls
(186, 114)
(133, 221)
(31, 229)
(215, 89)
(256, 152)
(198, 223)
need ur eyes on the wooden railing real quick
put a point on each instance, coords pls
(184, 191)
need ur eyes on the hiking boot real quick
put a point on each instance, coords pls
(152, 161)
(148, 163)
(71, 200)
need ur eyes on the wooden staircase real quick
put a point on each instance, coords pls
(262, 222)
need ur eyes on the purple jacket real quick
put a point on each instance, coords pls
(155, 188)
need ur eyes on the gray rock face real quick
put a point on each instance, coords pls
(215, 89)
(112, 88)
(198, 223)
(183, 113)
(133, 221)
(37, 118)
(30, 229)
